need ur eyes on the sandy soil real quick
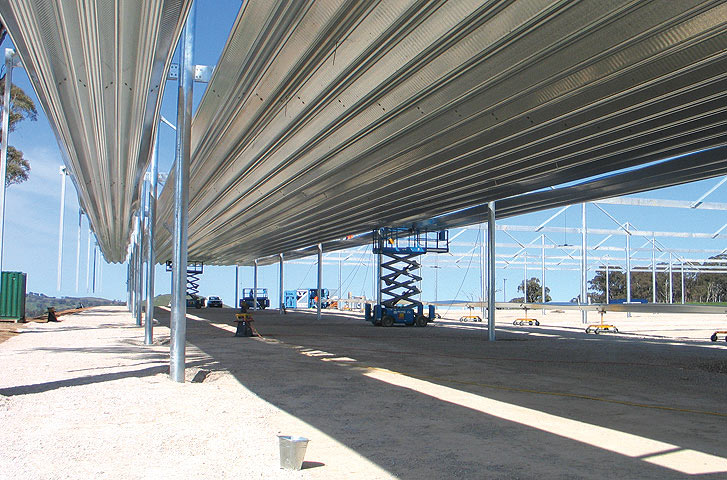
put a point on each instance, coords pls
(84, 398)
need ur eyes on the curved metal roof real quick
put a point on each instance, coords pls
(326, 119)
(98, 69)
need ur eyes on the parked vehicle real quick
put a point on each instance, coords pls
(249, 295)
(214, 302)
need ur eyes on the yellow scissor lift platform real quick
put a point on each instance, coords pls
(601, 327)
(470, 317)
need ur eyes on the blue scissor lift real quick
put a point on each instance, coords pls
(398, 250)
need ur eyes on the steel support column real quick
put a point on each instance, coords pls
(282, 297)
(237, 284)
(683, 294)
(491, 287)
(9, 63)
(142, 243)
(254, 287)
(653, 269)
(60, 225)
(607, 280)
(320, 279)
(671, 288)
(181, 202)
(628, 264)
(150, 256)
(542, 271)
(584, 264)
(483, 268)
(78, 247)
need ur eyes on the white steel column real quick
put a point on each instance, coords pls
(542, 270)
(150, 256)
(628, 263)
(88, 265)
(60, 224)
(282, 294)
(139, 265)
(78, 247)
(9, 63)
(584, 264)
(491, 287)
(483, 268)
(607, 280)
(683, 294)
(320, 279)
(254, 286)
(525, 277)
(653, 269)
(181, 203)
(671, 286)
(237, 284)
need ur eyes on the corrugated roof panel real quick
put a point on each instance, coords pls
(430, 107)
(98, 70)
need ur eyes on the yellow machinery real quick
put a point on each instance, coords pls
(715, 335)
(470, 317)
(526, 320)
(601, 327)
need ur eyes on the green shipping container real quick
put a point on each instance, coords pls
(12, 296)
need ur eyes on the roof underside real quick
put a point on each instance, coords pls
(98, 70)
(333, 118)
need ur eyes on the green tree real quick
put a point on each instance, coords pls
(21, 107)
(535, 291)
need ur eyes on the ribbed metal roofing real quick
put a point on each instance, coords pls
(325, 119)
(98, 69)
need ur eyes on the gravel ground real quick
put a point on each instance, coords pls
(84, 398)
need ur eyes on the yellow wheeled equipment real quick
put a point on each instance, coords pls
(526, 321)
(601, 327)
(715, 335)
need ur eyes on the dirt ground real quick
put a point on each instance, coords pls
(84, 397)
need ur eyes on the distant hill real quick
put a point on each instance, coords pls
(37, 303)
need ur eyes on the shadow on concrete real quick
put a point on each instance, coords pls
(316, 371)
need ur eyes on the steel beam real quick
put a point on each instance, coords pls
(584, 264)
(181, 203)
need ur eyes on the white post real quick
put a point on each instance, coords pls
(181, 197)
(607, 292)
(542, 272)
(671, 287)
(320, 279)
(491, 287)
(78, 247)
(584, 265)
(254, 287)
(683, 294)
(237, 283)
(60, 225)
(150, 255)
(9, 63)
(88, 266)
(653, 269)
(282, 293)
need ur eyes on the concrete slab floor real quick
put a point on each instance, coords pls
(405, 402)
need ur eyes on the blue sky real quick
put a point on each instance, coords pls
(32, 214)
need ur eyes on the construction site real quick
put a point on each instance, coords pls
(426, 152)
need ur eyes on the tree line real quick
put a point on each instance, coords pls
(699, 287)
